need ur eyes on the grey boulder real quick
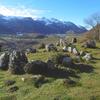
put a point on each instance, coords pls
(4, 60)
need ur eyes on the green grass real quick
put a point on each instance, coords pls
(87, 87)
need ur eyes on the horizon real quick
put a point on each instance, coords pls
(65, 10)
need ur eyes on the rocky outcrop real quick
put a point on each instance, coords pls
(36, 67)
(17, 61)
(4, 60)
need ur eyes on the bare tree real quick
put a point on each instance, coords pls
(94, 22)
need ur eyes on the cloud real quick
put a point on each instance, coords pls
(22, 11)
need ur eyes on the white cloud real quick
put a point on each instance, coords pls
(22, 11)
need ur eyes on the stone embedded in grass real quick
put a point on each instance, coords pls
(64, 48)
(9, 82)
(39, 80)
(13, 89)
(68, 82)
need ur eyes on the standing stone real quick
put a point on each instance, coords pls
(57, 44)
(74, 40)
(61, 42)
(64, 48)
(75, 51)
(4, 60)
(82, 53)
(69, 49)
(17, 62)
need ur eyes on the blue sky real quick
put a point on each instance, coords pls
(68, 10)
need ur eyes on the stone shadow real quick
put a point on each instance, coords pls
(83, 68)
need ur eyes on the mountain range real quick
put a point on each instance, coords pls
(14, 25)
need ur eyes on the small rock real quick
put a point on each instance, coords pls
(13, 89)
(82, 53)
(39, 80)
(64, 48)
(87, 57)
(9, 82)
(68, 82)
(75, 51)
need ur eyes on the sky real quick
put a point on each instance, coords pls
(65, 10)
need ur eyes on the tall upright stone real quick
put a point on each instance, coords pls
(4, 60)
(17, 62)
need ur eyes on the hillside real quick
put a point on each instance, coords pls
(93, 33)
(85, 84)
(14, 25)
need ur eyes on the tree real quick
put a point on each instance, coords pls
(94, 22)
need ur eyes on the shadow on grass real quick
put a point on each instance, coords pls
(96, 58)
(97, 48)
(60, 73)
(72, 72)
(83, 68)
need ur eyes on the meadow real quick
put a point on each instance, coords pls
(87, 85)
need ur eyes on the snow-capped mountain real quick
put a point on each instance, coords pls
(12, 25)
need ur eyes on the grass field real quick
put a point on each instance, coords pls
(87, 87)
